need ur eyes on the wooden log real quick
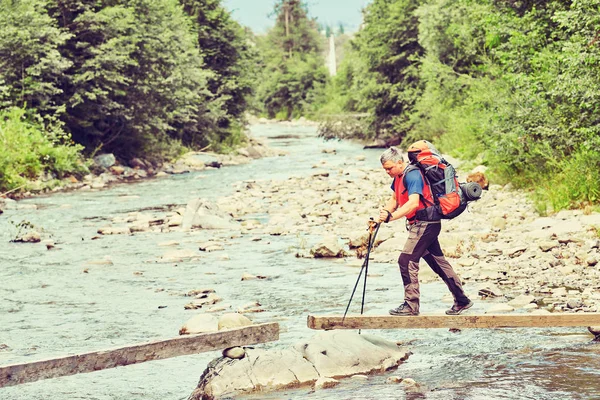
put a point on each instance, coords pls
(134, 354)
(453, 321)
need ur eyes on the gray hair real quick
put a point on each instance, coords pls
(391, 154)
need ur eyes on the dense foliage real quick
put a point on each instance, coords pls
(133, 77)
(31, 148)
(512, 85)
(293, 74)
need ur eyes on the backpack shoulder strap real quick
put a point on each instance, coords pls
(411, 168)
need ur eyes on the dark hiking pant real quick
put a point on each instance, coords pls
(423, 243)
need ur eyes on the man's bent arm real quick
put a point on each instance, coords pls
(411, 205)
(391, 205)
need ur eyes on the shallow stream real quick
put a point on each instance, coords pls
(62, 301)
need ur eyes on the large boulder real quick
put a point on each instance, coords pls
(201, 323)
(329, 247)
(330, 354)
(105, 160)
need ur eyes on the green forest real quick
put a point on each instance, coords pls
(512, 85)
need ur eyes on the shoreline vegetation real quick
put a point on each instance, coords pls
(512, 86)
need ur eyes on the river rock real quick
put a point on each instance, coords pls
(201, 323)
(117, 170)
(548, 245)
(595, 330)
(343, 353)
(235, 353)
(199, 213)
(521, 301)
(327, 354)
(29, 237)
(137, 163)
(109, 230)
(105, 160)
(327, 248)
(325, 383)
(178, 255)
(233, 320)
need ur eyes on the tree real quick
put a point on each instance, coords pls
(293, 76)
(228, 53)
(389, 45)
(137, 79)
(294, 32)
(31, 67)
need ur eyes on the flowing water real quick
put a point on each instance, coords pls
(55, 302)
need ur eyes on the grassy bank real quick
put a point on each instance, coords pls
(31, 150)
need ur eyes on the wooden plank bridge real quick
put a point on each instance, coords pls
(16, 374)
(328, 322)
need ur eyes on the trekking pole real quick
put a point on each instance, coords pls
(365, 267)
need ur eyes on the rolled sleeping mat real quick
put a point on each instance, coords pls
(471, 190)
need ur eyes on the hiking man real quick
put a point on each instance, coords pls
(410, 191)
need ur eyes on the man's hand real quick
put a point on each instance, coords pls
(384, 215)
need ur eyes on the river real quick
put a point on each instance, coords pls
(62, 301)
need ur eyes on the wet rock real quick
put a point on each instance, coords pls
(137, 163)
(394, 379)
(210, 246)
(594, 330)
(572, 304)
(235, 353)
(201, 323)
(197, 160)
(200, 213)
(109, 230)
(248, 277)
(105, 160)
(521, 301)
(253, 307)
(328, 248)
(210, 297)
(327, 354)
(178, 256)
(196, 292)
(49, 243)
(516, 251)
(490, 291)
(29, 237)
(548, 245)
(117, 170)
(233, 320)
(139, 227)
(325, 383)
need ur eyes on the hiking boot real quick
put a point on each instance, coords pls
(403, 310)
(456, 309)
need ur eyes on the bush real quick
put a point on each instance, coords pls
(30, 149)
(576, 182)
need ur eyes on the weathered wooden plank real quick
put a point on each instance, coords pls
(453, 321)
(134, 354)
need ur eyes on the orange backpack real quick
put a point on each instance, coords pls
(448, 198)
